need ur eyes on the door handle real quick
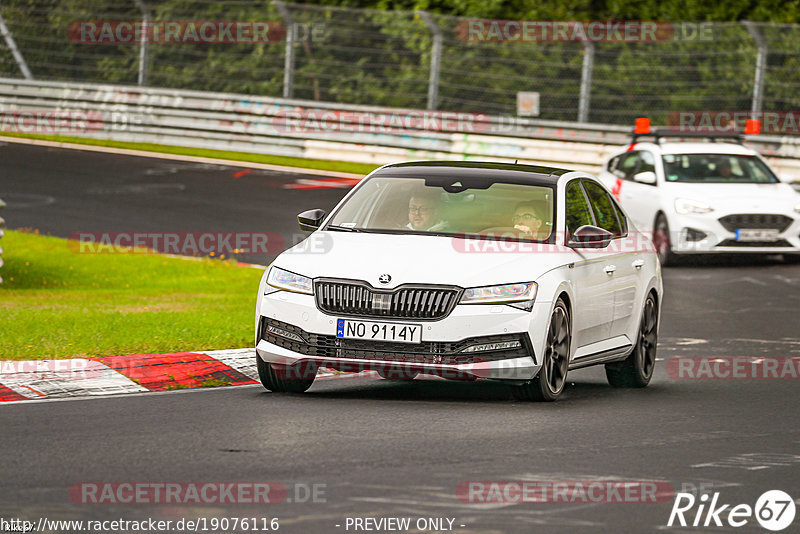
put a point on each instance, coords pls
(638, 264)
(609, 269)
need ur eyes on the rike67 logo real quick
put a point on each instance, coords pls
(774, 511)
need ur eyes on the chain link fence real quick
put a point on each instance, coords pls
(411, 60)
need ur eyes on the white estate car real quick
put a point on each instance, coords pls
(704, 197)
(464, 270)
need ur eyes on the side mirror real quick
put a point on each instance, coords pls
(588, 236)
(646, 177)
(310, 220)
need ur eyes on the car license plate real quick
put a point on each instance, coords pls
(399, 333)
(757, 234)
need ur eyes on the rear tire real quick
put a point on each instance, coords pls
(549, 383)
(637, 369)
(662, 241)
(280, 380)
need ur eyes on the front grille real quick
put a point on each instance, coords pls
(770, 221)
(745, 244)
(430, 352)
(354, 298)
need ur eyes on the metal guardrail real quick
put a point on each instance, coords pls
(587, 71)
(319, 130)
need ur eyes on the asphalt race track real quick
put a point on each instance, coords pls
(379, 448)
(67, 192)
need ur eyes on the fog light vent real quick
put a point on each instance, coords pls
(695, 235)
(503, 345)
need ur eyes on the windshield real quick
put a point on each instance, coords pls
(485, 209)
(717, 168)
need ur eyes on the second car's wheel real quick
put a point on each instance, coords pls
(552, 377)
(662, 241)
(637, 369)
(295, 379)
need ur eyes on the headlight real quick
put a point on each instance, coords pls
(289, 281)
(684, 206)
(518, 295)
(797, 207)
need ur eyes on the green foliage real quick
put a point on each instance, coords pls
(381, 56)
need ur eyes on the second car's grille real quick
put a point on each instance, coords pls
(769, 221)
(413, 302)
(745, 244)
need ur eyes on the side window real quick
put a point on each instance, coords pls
(627, 166)
(623, 221)
(648, 162)
(578, 211)
(612, 164)
(604, 210)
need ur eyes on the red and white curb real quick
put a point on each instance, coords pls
(132, 373)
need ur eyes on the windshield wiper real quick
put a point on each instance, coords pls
(342, 228)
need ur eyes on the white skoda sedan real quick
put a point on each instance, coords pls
(702, 197)
(464, 271)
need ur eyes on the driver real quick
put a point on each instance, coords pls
(527, 220)
(423, 212)
(724, 168)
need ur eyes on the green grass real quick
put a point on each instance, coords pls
(56, 303)
(325, 165)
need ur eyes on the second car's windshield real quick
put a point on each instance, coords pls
(409, 205)
(719, 168)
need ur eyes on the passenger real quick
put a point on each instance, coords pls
(423, 213)
(529, 221)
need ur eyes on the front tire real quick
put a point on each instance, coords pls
(637, 369)
(286, 380)
(662, 241)
(549, 383)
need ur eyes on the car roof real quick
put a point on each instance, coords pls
(514, 172)
(695, 148)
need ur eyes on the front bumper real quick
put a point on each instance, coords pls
(686, 236)
(441, 352)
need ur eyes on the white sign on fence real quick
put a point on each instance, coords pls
(527, 104)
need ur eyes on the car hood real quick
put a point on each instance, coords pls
(421, 259)
(747, 198)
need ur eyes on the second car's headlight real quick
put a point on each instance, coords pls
(685, 205)
(289, 281)
(519, 295)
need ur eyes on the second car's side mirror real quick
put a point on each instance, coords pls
(311, 220)
(646, 177)
(588, 236)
